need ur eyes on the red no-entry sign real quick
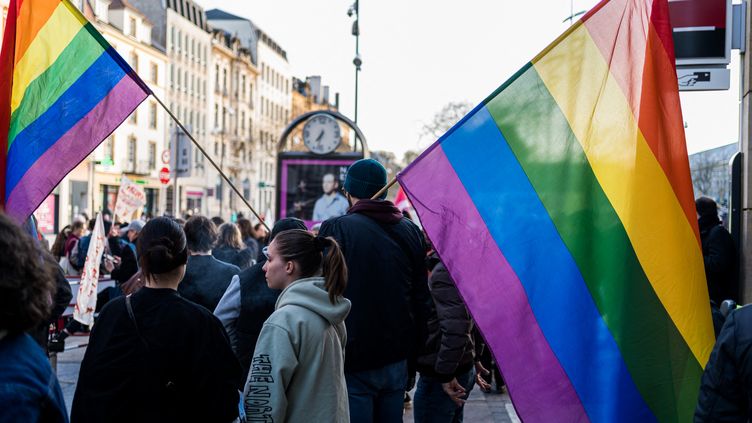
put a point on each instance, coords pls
(164, 175)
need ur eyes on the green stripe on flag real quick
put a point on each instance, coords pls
(47, 88)
(659, 360)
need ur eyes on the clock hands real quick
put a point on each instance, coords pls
(321, 134)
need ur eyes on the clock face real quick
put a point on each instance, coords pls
(321, 134)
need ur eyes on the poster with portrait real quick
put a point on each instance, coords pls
(311, 188)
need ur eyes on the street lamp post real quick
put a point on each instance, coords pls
(357, 61)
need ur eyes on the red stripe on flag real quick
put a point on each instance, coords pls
(6, 88)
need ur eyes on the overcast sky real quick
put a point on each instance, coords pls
(419, 55)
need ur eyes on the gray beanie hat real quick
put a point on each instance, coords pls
(365, 178)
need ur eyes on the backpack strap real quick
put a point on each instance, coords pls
(133, 319)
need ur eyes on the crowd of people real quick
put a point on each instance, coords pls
(214, 321)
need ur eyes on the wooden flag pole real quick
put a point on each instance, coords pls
(386, 188)
(201, 149)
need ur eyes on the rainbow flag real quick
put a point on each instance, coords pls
(562, 206)
(64, 89)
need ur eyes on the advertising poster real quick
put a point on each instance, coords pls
(311, 189)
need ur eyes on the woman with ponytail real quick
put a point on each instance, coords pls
(154, 356)
(297, 372)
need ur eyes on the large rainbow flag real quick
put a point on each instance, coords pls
(563, 208)
(63, 90)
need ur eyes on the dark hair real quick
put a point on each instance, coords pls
(706, 207)
(161, 247)
(229, 235)
(306, 250)
(218, 221)
(77, 225)
(246, 229)
(58, 246)
(200, 233)
(27, 279)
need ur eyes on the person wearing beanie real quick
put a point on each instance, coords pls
(719, 253)
(390, 300)
(248, 302)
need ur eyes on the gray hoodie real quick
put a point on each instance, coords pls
(297, 372)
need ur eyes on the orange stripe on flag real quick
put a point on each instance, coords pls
(654, 99)
(32, 16)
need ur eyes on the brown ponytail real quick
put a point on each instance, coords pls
(307, 250)
(334, 269)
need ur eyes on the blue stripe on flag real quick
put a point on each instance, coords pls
(90, 88)
(523, 230)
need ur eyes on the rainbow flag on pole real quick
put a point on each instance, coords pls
(563, 208)
(63, 90)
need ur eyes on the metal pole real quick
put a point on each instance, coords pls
(221, 166)
(357, 71)
(213, 163)
(357, 55)
(175, 159)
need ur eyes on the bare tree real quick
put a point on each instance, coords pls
(409, 156)
(702, 167)
(450, 114)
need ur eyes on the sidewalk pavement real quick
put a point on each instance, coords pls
(480, 407)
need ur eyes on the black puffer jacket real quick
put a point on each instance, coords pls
(386, 283)
(721, 260)
(726, 390)
(449, 350)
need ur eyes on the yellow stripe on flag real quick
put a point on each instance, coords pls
(633, 181)
(51, 40)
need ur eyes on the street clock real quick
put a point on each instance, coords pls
(321, 134)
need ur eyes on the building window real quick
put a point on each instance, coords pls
(180, 40)
(216, 78)
(134, 61)
(172, 38)
(224, 81)
(109, 148)
(152, 155)
(154, 71)
(134, 117)
(131, 151)
(216, 116)
(132, 29)
(153, 115)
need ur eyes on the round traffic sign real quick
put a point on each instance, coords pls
(164, 175)
(166, 157)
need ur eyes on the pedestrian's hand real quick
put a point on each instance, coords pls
(109, 265)
(481, 371)
(455, 391)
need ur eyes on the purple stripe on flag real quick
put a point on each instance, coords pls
(492, 292)
(68, 151)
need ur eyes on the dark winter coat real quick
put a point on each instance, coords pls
(206, 280)
(128, 263)
(449, 349)
(257, 302)
(174, 364)
(721, 260)
(243, 258)
(385, 256)
(726, 389)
